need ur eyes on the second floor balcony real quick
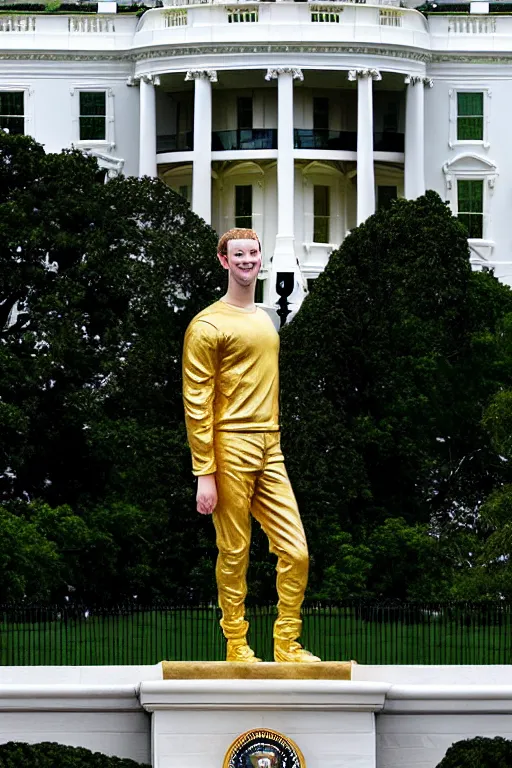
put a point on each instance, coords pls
(266, 138)
(175, 142)
(244, 138)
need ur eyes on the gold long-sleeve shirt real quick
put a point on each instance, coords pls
(230, 378)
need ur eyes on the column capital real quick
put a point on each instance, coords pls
(135, 80)
(417, 79)
(358, 74)
(201, 74)
(274, 72)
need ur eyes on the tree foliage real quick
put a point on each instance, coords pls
(48, 754)
(385, 372)
(480, 752)
(97, 285)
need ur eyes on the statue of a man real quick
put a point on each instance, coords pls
(231, 397)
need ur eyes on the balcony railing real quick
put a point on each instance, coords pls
(309, 138)
(245, 138)
(266, 138)
(175, 142)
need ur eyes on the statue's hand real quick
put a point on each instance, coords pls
(206, 496)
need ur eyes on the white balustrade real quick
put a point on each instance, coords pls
(178, 18)
(82, 25)
(472, 25)
(17, 23)
(390, 18)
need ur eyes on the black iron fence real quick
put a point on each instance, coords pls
(405, 633)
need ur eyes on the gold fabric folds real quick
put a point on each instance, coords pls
(231, 398)
(252, 479)
(230, 377)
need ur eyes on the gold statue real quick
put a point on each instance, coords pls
(231, 398)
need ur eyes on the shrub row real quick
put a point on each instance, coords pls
(51, 755)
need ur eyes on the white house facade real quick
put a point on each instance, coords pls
(298, 119)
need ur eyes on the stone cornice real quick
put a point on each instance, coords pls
(219, 50)
(271, 48)
(222, 49)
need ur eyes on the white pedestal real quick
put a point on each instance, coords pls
(194, 722)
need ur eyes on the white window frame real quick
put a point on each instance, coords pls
(316, 255)
(455, 171)
(109, 140)
(243, 14)
(453, 141)
(28, 104)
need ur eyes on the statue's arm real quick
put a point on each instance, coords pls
(200, 360)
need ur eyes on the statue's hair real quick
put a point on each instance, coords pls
(235, 234)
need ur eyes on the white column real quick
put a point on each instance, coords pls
(414, 168)
(147, 135)
(202, 160)
(365, 170)
(284, 259)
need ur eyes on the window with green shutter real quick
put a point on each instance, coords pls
(470, 205)
(93, 110)
(470, 116)
(12, 111)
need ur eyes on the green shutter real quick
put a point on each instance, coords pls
(93, 108)
(470, 205)
(470, 116)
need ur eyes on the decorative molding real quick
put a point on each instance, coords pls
(359, 74)
(274, 72)
(459, 168)
(135, 80)
(223, 49)
(150, 79)
(197, 74)
(470, 58)
(417, 79)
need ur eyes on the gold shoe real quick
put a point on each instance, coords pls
(238, 650)
(291, 651)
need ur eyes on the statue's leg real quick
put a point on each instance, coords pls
(238, 457)
(275, 508)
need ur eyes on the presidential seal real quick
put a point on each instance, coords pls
(263, 748)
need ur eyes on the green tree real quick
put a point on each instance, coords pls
(480, 752)
(97, 285)
(385, 373)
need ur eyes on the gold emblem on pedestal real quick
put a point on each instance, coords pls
(263, 748)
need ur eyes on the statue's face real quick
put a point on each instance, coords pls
(243, 261)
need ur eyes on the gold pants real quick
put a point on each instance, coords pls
(252, 480)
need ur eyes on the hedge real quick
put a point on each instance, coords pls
(48, 754)
(479, 752)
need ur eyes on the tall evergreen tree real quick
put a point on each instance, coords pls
(97, 285)
(385, 373)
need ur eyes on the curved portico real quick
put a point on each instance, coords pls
(302, 178)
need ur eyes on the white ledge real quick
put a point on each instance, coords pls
(70, 698)
(475, 699)
(263, 694)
